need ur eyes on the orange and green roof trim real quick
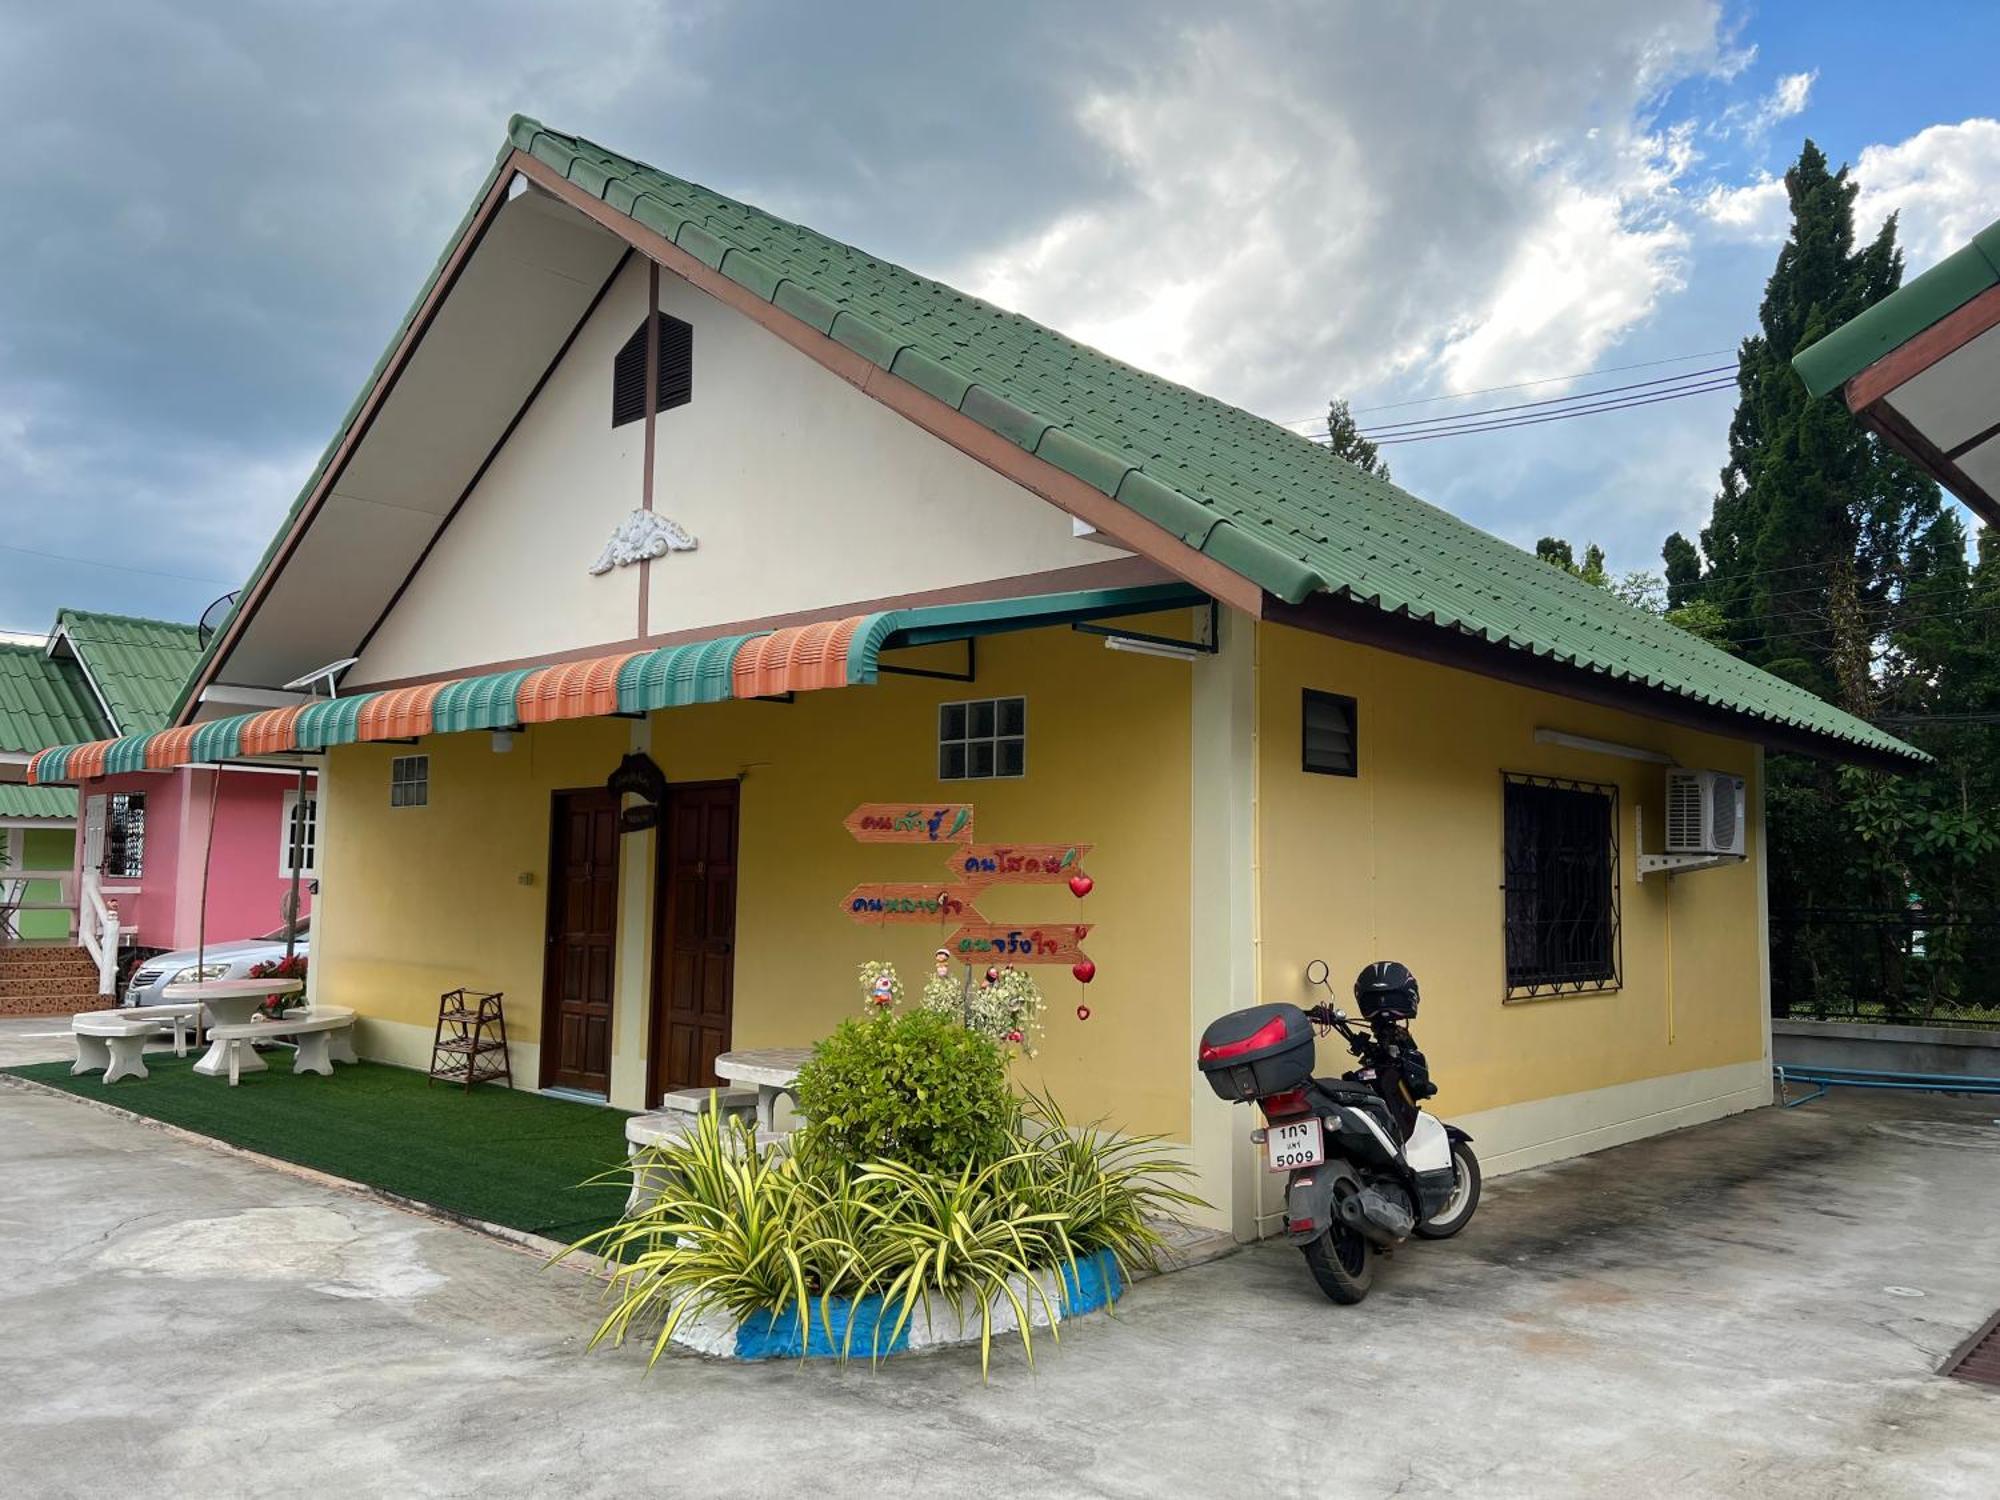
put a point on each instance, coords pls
(1261, 501)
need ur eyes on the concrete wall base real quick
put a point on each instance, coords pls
(1517, 1136)
(1959, 1050)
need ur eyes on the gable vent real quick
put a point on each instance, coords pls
(628, 371)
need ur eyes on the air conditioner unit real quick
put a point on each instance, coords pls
(1704, 812)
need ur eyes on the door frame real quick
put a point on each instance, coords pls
(547, 1038)
(663, 899)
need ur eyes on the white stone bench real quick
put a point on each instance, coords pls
(732, 1102)
(324, 1035)
(113, 1042)
(664, 1126)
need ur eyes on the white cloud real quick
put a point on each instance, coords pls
(1309, 211)
(1944, 182)
(1756, 211)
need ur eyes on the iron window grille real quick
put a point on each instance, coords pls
(676, 379)
(983, 739)
(1329, 741)
(410, 781)
(300, 843)
(1561, 886)
(125, 836)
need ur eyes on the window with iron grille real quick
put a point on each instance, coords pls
(1561, 854)
(125, 836)
(983, 739)
(410, 781)
(1328, 734)
(628, 371)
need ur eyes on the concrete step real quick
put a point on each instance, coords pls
(53, 1005)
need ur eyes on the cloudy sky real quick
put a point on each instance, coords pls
(215, 215)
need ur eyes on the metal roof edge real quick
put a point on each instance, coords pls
(1836, 357)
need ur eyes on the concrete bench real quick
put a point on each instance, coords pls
(324, 1035)
(733, 1103)
(667, 1126)
(113, 1042)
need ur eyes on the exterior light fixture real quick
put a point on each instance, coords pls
(503, 741)
(1149, 648)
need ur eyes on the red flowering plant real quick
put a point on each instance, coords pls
(279, 968)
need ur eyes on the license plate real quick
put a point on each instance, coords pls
(1296, 1143)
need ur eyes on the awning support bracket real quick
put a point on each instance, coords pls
(970, 673)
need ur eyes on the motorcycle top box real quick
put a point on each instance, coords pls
(1254, 1053)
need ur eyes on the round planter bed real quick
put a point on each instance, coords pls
(1093, 1284)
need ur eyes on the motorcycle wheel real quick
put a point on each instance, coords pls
(1457, 1212)
(1343, 1263)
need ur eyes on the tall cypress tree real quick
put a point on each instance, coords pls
(1815, 519)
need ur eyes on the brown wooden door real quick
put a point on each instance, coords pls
(694, 962)
(582, 941)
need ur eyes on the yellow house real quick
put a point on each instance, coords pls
(672, 545)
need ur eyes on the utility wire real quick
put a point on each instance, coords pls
(1623, 404)
(92, 562)
(1521, 385)
(1548, 401)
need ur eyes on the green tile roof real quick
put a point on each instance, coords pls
(139, 665)
(44, 702)
(1902, 315)
(37, 801)
(1257, 498)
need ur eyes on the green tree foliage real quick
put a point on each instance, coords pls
(1831, 560)
(1344, 438)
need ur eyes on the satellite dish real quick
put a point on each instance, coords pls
(212, 617)
(309, 682)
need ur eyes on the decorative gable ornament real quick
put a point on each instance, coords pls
(643, 534)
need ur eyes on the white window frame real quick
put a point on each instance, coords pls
(939, 741)
(422, 778)
(310, 869)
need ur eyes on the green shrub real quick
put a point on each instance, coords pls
(914, 1088)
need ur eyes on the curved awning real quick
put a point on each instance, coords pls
(765, 664)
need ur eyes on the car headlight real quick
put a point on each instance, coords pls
(198, 975)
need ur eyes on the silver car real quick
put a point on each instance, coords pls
(216, 961)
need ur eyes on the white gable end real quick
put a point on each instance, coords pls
(778, 488)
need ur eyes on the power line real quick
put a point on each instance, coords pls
(1547, 401)
(1624, 404)
(92, 562)
(1521, 385)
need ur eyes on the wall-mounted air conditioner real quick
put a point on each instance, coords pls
(1705, 812)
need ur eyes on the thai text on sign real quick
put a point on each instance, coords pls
(1018, 864)
(910, 823)
(1000, 942)
(880, 904)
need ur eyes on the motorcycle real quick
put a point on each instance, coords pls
(1367, 1167)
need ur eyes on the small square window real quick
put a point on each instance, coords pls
(1328, 739)
(410, 781)
(983, 739)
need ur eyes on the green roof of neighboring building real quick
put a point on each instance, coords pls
(138, 665)
(1902, 315)
(52, 802)
(44, 701)
(1263, 501)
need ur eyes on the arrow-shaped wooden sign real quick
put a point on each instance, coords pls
(1000, 942)
(910, 823)
(882, 903)
(1018, 864)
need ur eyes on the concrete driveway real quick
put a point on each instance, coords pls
(1750, 1308)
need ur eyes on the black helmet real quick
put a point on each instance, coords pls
(1386, 990)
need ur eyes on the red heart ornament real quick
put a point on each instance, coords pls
(1083, 1012)
(1081, 886)
(1084, 970)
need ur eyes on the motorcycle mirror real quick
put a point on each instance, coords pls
(1317, 973)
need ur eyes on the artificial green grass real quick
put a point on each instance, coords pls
(502, 1155)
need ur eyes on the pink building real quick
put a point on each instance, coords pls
(165, 856)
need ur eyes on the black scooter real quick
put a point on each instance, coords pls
(1367, 1167)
